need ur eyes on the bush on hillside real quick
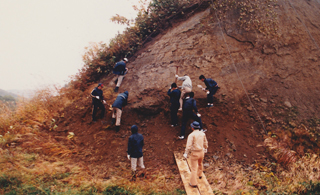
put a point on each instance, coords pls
(258, 16)
(100, 58)
(37, 112)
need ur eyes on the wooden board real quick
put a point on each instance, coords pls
(185, 174)
(203, 184)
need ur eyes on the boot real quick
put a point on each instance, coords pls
(116, 89)
(117, 128)
(113, 121)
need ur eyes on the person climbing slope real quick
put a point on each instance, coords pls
(120, 70)
(97, 102)
(117, 107)
(211, 89)
(189, 105)
(185, 88)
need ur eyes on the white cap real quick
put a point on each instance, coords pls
(125, 59)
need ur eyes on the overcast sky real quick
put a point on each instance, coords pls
(42, 41)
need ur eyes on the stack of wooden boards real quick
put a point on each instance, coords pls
(185, 172)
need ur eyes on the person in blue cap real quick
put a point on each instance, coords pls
(197, 145)
(97, 102)
(120, 70)
(135, 145)
(174, 94)
(189, 105)
(211, 89)
(117, 107)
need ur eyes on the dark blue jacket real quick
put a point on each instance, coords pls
(135, 145)
(119, 68)
(174, 97)
(189, 105)
(96, 92)
(210, 84)
(121, 100)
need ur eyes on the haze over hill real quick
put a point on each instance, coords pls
(7, 93)
(26, 93)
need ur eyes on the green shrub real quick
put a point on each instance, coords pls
(6, 181)
(312, 188)
(32, 190)
(116, 190)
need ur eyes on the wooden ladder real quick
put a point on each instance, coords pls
(185, 172)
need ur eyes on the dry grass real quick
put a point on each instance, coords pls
(30, 155)
(233, 178)
(32, 158)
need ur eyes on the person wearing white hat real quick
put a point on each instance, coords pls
(120, 70)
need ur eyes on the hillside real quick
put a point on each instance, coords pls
(279, 78)
(6, 93)
(269, 90)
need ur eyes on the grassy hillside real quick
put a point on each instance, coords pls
(49, 146)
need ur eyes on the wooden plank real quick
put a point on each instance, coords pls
(185, 174)
(203, 185)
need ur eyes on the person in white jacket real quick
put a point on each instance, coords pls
(185, 88)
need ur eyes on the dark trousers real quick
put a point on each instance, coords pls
(185, 117)
(211, 94)
(97, 105)
(174, 114)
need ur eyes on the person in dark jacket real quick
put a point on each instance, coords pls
(189, 105)
(211, 89)
(118, 104)
(134, 152)
(97, 101)
(174, 94)
(120, 70)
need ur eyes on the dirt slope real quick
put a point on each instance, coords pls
(280, 78)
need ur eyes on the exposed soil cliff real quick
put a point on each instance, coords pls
(265, 85)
